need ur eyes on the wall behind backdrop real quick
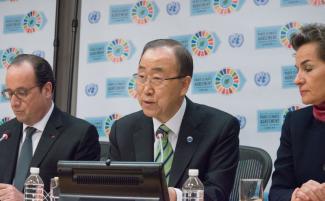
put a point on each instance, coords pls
(243, 63)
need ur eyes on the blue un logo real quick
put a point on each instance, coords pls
(242, 121)
(173, 8)
(91, 89)
(261, 2)
(94, 17)
(262, 78)
(39, 53)
(236, 40)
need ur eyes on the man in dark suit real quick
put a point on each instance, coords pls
(200, 137)
(39, 128)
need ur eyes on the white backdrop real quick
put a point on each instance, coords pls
(26, 26)
(243, 48)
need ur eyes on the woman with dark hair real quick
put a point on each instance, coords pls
(300, 165)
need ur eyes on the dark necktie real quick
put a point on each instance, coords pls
(25, 157)
(168, 153)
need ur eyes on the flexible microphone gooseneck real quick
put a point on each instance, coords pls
(5, 136)
(159, 136)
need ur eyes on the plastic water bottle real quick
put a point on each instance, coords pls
(193, 189)
(34, 186)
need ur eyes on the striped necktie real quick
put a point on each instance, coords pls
(166, 157)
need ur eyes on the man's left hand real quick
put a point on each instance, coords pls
(10, 193)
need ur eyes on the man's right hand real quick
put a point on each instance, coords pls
(10, 193)
(172, 194)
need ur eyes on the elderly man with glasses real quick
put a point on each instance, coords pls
(40, 134)
(194, 136)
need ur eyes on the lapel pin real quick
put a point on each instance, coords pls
(52, 136)
(189, 139)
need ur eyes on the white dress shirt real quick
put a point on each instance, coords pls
(39, 126)
(174, 124)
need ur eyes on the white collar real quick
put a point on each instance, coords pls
(174, 123)
(40, 126)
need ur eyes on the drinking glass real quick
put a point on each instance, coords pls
(251, 190)
(54, 189)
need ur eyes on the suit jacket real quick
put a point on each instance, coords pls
(64, 138)
(214, 149)
(301, 155)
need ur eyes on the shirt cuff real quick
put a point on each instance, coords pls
(179, 194)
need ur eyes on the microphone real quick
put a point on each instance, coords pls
(159, 136)
(5, 136)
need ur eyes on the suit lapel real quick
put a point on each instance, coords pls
(184, 148)
(48, 137)
(143, 139)
(12, 149)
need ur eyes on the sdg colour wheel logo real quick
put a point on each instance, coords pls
(4, 120)
(202, 43)
(227, 81)
(118, 50)
(286, 32)
(132, 88)
(109, 122)
(142, 12)
(9, 55)
(32, 22)
(225, 7)
(317, 2)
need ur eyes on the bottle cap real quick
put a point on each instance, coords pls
(56, 179)
(34, 170)
(193, 172)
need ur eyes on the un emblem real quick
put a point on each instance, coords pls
(242, 121)
(261, 2)
(236, 40)
(173, 8)
(262, 78)
(94, 17)
(39, 53)
(91, 89)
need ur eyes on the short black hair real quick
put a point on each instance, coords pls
(43, 70)
(310, 33)
(183, 56)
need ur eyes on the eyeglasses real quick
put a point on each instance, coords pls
(155, 81)
(20, 92)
